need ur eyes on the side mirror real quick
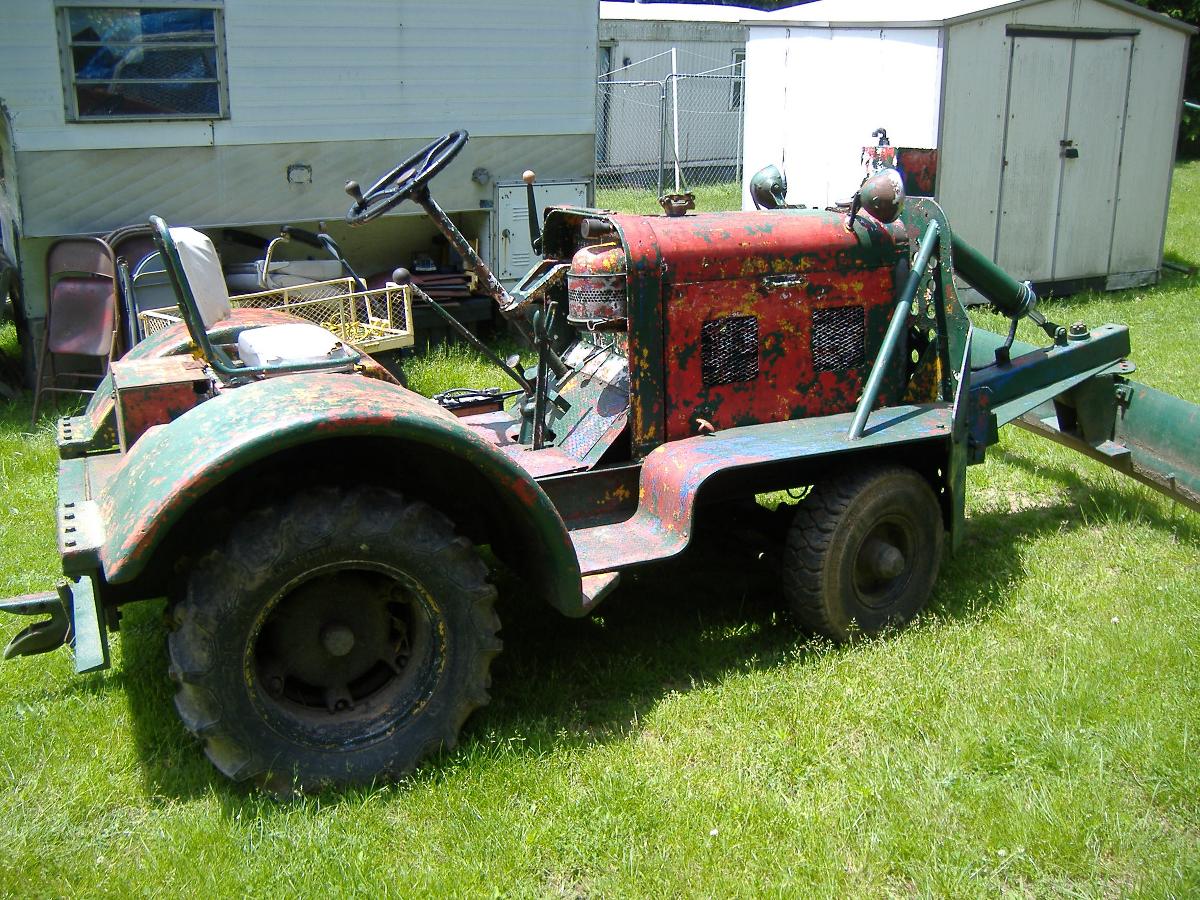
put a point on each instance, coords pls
(768, 188)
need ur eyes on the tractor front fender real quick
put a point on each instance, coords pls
(174, 467)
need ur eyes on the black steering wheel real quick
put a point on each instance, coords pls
(403, 181)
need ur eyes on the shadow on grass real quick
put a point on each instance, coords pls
(564, 683)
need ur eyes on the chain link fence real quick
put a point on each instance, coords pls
(683, 133)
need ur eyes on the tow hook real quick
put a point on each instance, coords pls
(44, 636)
(75, 618)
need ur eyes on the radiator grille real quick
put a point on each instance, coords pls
(838, 338)
(729, 350)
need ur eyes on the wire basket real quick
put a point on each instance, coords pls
(374, 321)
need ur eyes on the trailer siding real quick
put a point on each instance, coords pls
(312, 70)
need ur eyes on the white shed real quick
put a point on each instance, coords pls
(1055, 121)
(253, 113)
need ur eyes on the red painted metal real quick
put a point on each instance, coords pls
(153, 392)
(787, 385)
(673, 475)
(775, 266)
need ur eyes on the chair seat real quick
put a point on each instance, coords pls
(298, 342)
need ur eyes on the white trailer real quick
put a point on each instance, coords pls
(1055, 121)
(251, 113)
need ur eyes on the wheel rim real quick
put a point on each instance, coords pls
(883, 562)
(345, 654)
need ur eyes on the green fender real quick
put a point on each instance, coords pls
(172, 467)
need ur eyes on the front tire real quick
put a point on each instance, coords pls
(339, 638)
(863, 552)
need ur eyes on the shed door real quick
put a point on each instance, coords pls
(1062, 149)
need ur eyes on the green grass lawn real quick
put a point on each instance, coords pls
(724, 195)
(1036, 733)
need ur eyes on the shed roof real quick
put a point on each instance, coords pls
(680, 12)
(921, 12)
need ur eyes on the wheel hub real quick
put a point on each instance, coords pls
(883, 560)
(335, 641)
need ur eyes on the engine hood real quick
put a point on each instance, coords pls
(719, 246)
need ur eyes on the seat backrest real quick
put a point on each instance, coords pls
(81, 294)
(195, 273)
(202, 267)
(199, 277)
(80, 256)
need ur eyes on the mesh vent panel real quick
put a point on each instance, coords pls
(839, 338)
(729, 350)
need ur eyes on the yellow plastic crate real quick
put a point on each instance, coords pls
(374, 321)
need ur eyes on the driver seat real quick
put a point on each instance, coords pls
(195, 272)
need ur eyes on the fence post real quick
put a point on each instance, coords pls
(662, 133)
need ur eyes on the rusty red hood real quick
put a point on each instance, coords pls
(717, 246)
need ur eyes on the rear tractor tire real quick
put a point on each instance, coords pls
(336, 639)
(863, 552)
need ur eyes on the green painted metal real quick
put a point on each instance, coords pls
(44, 636)
(91, 635)
(1153, 438)
(673, 475)
(1042, 373)
(1007, 294)
(169, 469)
(959, 457)
(891, 340)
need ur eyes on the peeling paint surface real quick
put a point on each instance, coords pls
(672, 476)
(684, 269)
(172, 467)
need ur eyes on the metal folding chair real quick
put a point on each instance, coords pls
(81, 314)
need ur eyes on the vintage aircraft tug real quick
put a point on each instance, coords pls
(314, 524)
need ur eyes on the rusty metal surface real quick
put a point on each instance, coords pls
(96, 428)
(499, 430)
(171, 468)
(598, 391)
(673, 475)
(787, 383)
(595, 497)
(742, 251)
(918, 166)
(1152, 437)
(153, 392)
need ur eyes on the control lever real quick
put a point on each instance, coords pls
(403, 278)
(535, 228)
(355, 192)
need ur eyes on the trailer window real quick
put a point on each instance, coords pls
(737, 81)
(143, 62)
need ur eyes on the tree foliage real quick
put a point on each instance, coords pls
(1186, 11)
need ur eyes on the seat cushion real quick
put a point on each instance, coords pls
(292, 343)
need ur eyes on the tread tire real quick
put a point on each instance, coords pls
(830, 527)
(232, 591)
